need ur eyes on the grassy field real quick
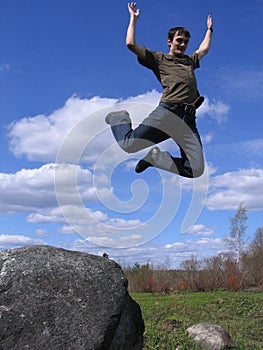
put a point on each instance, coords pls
(167, 318)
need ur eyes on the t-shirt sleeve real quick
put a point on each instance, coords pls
(149, 61)
(195, 60)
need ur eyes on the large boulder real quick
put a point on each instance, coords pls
(210, 336)
(53, 298)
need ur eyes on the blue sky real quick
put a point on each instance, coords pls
(64, 182)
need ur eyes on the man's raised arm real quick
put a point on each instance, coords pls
(205, 44)
(131, 32)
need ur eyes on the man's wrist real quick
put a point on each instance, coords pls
(210, 28)
(133, 18)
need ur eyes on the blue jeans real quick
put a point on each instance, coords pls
(165, 121)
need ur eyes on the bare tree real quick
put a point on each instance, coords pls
(192, 269)
(214, 269)
(256, 245)
(236, 240)
(255, 256)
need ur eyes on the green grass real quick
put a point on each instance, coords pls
(167, 317)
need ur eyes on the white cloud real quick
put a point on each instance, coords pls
(81, 121)
(207, 138)
(52, 216)
(202, 247)
(150, 97)
(200, 230)
(40, 137)
(175, 245)
(232, 188)
(30, 189)
(217, 110)
(15, 241)
(134, 237)
(95, 225)
(156, 255)
(126, 257)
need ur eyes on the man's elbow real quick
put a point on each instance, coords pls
(130, 45)
(133, 48)
(202, 53)
(206, 50)
(136, 49)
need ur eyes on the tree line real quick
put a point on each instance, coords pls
(240, 268)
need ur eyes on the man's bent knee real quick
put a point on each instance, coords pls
(126, 147)
(198, 172)
(131, 145)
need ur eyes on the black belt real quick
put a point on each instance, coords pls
(179, 107)
(189, 109)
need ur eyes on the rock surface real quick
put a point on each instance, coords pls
(53, 299)
(210, 336)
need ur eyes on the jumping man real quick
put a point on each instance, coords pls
(175, 116)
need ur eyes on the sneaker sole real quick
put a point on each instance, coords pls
(112, 114)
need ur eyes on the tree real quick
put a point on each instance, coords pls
(256, 245)
(255, 256)
(141, 278)
(238, 228)
(192, 269)
(214, 272)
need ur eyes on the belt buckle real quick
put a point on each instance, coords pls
(190, 110)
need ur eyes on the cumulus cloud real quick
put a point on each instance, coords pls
(126, 257)
(216, 109)
(157, 255)
(78, 129)
(30, 189)
(82, 216)
(186, 249)
(15, 241)
(232, 188)
(207, 138)
(200, 230)
(95, 225)
(40, 137)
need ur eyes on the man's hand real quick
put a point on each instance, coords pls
(205, 44)
(132, 10)
(209, 22)
(139, 50)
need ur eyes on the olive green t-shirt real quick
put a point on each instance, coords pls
(175, 73)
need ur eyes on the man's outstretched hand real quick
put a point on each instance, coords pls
(133, 10)
(209, 22)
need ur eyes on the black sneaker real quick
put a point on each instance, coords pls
(147, 161)
(112, 114)
(142, 165)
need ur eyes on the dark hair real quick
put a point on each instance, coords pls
(180, 30)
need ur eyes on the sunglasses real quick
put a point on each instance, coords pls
(181, 41)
